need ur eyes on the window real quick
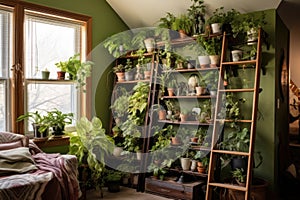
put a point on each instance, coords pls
(5, 61)
(48, 41)
(34, 38)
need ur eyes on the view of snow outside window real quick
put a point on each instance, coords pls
(48, 42)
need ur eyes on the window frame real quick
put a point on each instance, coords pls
(17, 99)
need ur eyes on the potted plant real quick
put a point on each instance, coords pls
(183, 24)
(45, 74)
(62, 66)
(216, 20)
(112, 179)
(158, 171)
(239, 175)
(77, 70)
(57, 120)
(129, 72)
(165, 27)
(184, 114)
(91, 145)
(248, 24)
(120, 105)
(147, 65)
(197, 12)
(39, 123)
(119, 70)
(118, 44)
(203, 162)
(212, 46)
(171, 87)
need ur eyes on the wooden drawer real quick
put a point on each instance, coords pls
(172, 189)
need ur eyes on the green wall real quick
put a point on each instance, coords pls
(265, 137)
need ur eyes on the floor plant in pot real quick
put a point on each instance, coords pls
(112, 179)
(91, 145)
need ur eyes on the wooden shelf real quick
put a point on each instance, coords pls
(53, 141)
(190, 97)
(196, 123)
(131, 82)
(191, 70)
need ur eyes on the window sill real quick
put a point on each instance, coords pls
(53, 141)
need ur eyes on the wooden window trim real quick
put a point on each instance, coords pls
(17, 86)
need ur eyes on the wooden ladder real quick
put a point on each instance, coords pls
(214, 183)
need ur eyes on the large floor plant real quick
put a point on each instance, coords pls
(90, 144)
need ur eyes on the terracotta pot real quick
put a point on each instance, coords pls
(194, 139)
(175, 140)
(171, 91)
(183, 117)
(121, 76)
(162, 114)
(182, 33)
(61, 75)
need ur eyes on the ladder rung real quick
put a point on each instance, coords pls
(245, 62)
(228, 186)
(238, 90)
(238, 153)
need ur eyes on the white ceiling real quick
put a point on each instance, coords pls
(146, 13)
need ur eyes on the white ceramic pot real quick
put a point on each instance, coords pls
(252, 36)
(236, 55)
(138, 155)
(149, 44)
(185, 163)
(204, 61)
(214, 60)
(216, 28)
(194, 165)
(117, 151)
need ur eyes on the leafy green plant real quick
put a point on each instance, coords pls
(57, 118)
(166, 21)
(182, 22)
(121, 103)
(35, 118)
(237, 140)
(246, 22)
(128, 66)
(118, 68)
(91, 145)
(211, 45)
(239, 175)
(118, 44)
(218, 16)
(77, 70)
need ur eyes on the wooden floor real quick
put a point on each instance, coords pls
(125, 194)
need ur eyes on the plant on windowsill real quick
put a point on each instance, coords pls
(77, 70)
(39, 123)
(62, 66)
(57, 120)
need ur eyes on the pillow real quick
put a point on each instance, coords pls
(17, 160)
(12, 140)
